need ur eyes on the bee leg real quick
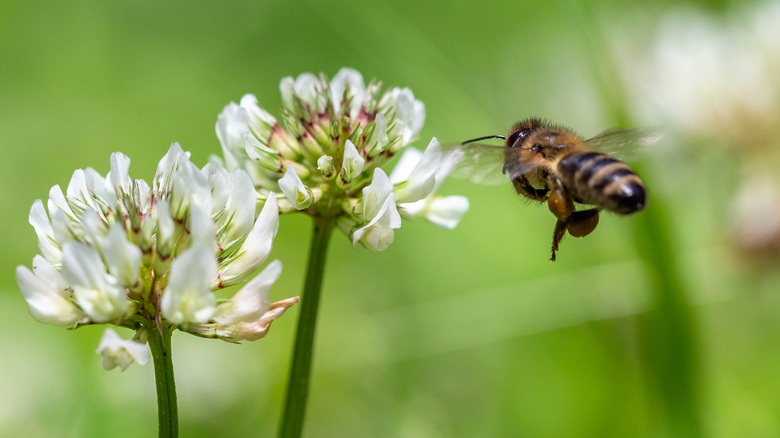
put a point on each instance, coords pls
(562, 207)
(560, 231)
(523, 187)
(582, 223)
(560, 204)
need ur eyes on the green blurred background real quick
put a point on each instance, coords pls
(461, 333)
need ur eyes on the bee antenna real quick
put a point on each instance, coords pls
(484, 138)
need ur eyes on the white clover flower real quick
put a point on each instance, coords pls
(117, 250)
(118, 352)
(322, 156)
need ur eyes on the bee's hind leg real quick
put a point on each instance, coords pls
(560, 231)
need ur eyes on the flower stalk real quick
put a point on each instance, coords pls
(167, 412)
(294, 410)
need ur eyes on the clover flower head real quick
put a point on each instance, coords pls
(325, 155)
(118, 250)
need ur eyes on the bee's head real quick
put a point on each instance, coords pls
(522, 130)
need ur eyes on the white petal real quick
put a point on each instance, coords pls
(251, 302)
(256, 248)
(46, 303)
(201, 229)
(43, 229)
(100, 187)
(287, 90)
(188, 297)
(97, 292)
(163, 176)
(378, 233)
(189, 187)
(325, 166)
(51, 278)
(143, 193)
(57, 201)
(165, 228)
(445, 211)
(120, 165)
(422, 178)
(405, 165)
(294, 190)
(122, 257)
(375, 195)
(65, 230)
(219, 182)
(260, 121)
(352, 164)
(352, 81)
(93, 227)
(410, 113)
(232, 122)
(241, 207)
(307, 86)
(77, 187)
(121, 352)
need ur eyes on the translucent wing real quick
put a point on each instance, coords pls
(626, 144)
(479, 163)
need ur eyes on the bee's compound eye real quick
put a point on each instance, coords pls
(517, 137)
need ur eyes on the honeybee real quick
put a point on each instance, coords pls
(550, 163)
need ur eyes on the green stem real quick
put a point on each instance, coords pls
(667, 330)
(291, 425)
(167, 414)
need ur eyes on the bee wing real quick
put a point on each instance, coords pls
(626, 144)
(479, 163)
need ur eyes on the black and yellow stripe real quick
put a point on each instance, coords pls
(598, 179)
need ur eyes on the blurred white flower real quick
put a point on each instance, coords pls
(118, 352)
(334, 134)
(717, 80)
(755, 215)
(115, 250)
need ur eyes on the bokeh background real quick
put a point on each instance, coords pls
(461, 333)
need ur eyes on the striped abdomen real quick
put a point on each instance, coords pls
(598, 179)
